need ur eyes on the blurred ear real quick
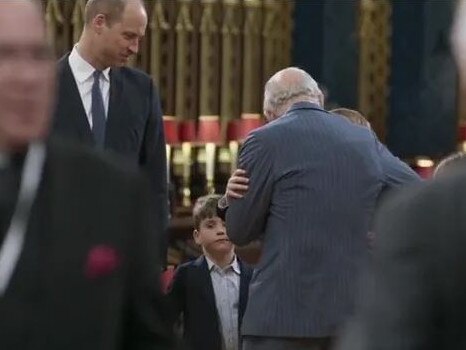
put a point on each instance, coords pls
(99, 22)
(197, 237)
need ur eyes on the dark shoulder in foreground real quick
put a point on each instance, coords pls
(81, 157)
(449, 187)
(430, 208)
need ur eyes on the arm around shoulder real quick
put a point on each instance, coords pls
(246, 217)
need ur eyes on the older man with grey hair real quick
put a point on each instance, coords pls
(314, 181)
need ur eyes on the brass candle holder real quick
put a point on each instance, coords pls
(187, 137)
(209, 134)
(170, 126)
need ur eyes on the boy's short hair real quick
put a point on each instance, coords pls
(204, 208)
(449, 163)
(353, 116)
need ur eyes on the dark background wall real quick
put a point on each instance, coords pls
(325, 45)
(423, 118)
(423, 107)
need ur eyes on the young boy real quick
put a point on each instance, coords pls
(211, 292)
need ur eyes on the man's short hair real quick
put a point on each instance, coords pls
(112, 9)
(205, 208)
(449, 163)
(353, 116)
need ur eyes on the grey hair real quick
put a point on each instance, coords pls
(279, 91)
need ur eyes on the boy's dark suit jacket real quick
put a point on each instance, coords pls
(191, 293)
(134, 125)
(87, 277)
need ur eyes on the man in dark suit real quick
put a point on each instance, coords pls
(109, 106)
(313, 185)
(78, 263)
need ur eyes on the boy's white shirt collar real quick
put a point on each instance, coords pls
(234, 265)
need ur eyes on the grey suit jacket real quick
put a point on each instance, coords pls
(314, 183)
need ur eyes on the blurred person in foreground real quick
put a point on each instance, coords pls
(78, 256)
(314, 181)
(416, 289)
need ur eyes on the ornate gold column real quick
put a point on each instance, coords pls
(231, 61)
(158, 25)
(185, 82)
(285, 34)
(209, 63)
(252, 72)
(53, 21)
(271, 33)
(374, 61)
(162, 52)
(78, 19)
(185, 68)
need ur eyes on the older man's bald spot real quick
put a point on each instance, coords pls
(292, 76)
(286, 87)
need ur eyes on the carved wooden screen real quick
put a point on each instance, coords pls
(374, 61)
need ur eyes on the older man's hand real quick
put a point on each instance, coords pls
(237, 186)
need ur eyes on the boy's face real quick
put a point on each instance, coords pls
(211, 235)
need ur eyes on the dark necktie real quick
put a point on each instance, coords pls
(98, 111)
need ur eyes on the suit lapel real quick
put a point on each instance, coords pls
(205, 282)
(70, 105)
(245, 277)
(115, 115)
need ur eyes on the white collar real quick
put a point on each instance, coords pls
(82, 69)
(234, 265)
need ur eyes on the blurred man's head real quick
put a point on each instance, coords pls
(450, 164)
(113, 30)
(27, 75)
(287, 87)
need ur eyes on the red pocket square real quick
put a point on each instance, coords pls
(166, 278)
(102, 260)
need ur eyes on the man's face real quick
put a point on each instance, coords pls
(27, 75)
(212, 235)
(120, 40)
